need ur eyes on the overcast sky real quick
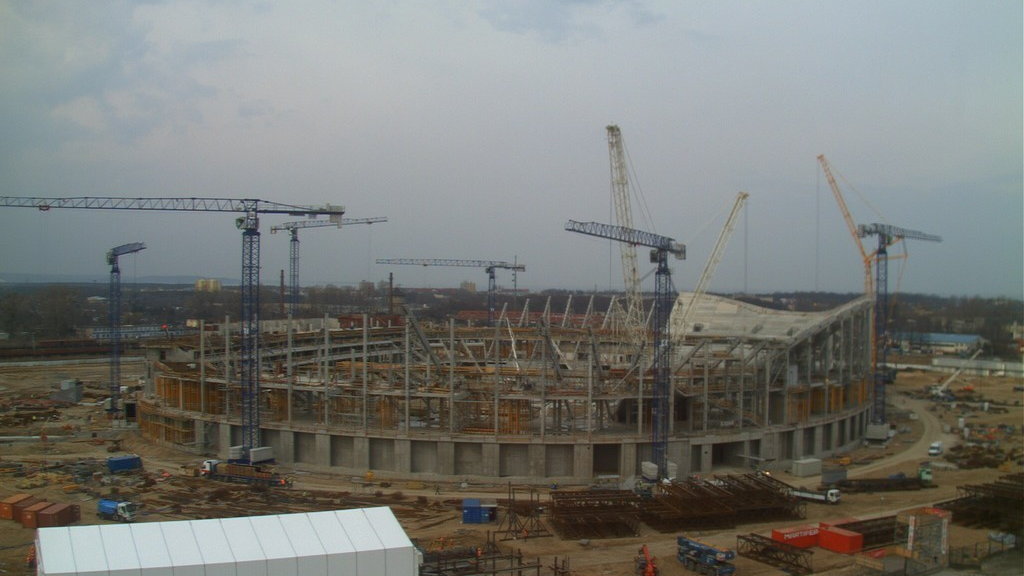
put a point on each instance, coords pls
(478, 130)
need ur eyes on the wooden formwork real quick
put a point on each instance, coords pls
(165, 428)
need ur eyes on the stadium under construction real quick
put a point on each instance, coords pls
(537, 397)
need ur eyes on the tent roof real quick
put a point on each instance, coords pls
(362, 541)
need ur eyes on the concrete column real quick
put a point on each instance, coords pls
(798, 444)
(583, 461)
(403, 456)
(770, 446)
(627, 460)
(537, 456)
(490, 456)
(679, 452)
(200, 433)
(819, 438)
(323, 450)
(285, 451)
(835, 435)
(224, 444)
(361, 453)
(705, 458)
(446, 458)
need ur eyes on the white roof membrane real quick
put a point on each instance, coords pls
(346, 542)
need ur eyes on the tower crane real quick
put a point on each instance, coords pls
(887, 236)
(624, 217)
(248, 223)
(293, 252)
(489, 265)
(661, 247)
(114, 315)
(681, 324)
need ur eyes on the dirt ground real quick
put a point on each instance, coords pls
(42, 445)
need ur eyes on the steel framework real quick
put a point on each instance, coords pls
(789, 558)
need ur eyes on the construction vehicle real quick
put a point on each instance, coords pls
(941, 391)
(891, 483)
(243, 473)
(704, 558)
(646, 564)
(115, 510)
(827, 496)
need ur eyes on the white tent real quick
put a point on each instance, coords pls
(364, 542)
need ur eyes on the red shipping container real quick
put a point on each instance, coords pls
(799, 536)
(28, 515)
(7, 505)
(60, 514)
(839, 540)
(19, 506)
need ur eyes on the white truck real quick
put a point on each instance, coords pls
(828, 496)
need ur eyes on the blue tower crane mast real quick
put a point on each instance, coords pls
(293, 252)
(664, 294)
(114, 316)
(887, 236)
(248, 223)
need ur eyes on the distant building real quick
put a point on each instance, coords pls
(207, 285)
(937, 343)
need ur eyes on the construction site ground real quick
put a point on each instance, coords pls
(43, 442)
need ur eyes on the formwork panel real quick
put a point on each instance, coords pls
(514, 460)
(342, 451)
(468, 458)
(423, 456)
(305, 447)
(558, 460)
(382, 454)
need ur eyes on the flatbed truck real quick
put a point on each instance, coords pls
(243, 473)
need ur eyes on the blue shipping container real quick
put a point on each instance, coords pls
(124, 463)
(472, 513)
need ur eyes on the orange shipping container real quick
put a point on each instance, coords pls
(60, 514)
(7, 505)
(28, 515)
(17, 507)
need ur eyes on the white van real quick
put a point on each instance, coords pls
(935, 449)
